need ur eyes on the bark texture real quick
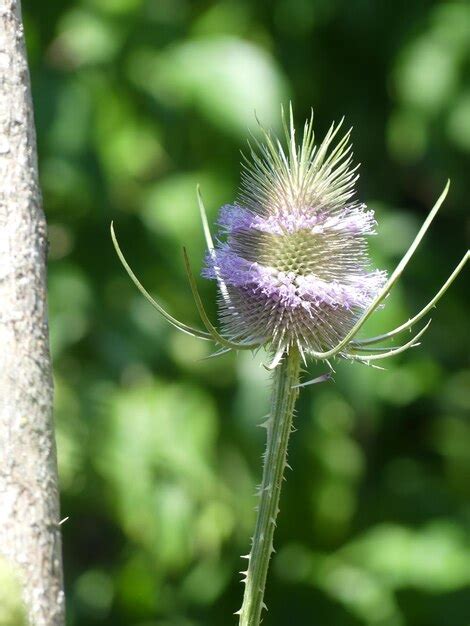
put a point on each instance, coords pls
(29, 504)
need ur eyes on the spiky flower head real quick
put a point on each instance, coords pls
(292, 259)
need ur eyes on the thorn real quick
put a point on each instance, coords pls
(320, 379)
(62, 521)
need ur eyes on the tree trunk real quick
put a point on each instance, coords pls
(29, 503)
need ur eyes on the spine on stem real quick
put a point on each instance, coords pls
(278, 426)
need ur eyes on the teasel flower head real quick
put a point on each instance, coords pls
(291, 258)
(292, 254)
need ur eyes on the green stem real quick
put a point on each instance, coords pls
(279, 426)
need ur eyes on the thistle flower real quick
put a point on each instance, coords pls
(294, 276)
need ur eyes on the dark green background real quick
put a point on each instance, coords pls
(136, 102)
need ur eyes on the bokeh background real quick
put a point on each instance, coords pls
(136, 102)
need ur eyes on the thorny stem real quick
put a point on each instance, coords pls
(279, 426)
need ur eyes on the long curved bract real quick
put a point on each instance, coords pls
(385, 355)
(210, 244)
(371, 340)
(194, 332)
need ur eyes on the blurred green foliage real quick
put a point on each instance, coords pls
(136, 102)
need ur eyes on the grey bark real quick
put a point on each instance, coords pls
(29, 503)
